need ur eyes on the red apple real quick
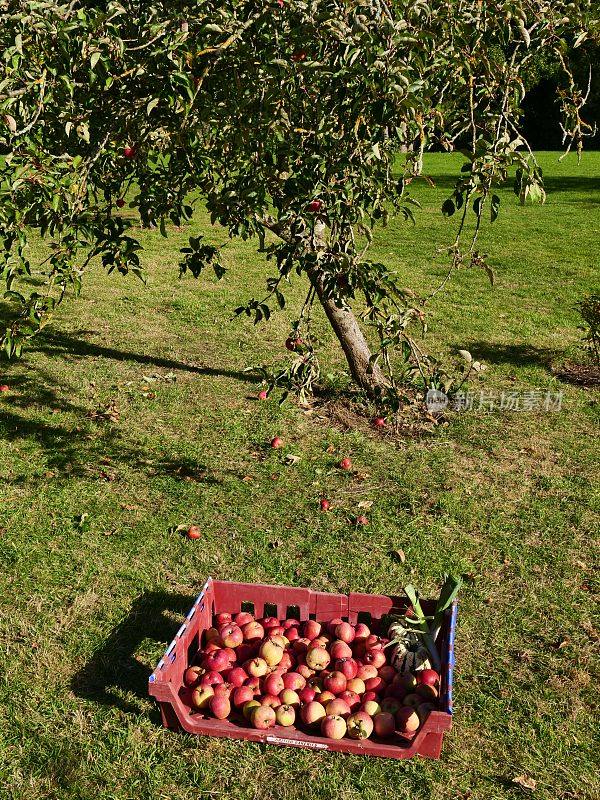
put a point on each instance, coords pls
(335, 682)
(315, 206)
(346, 463)
(222, 619)
(276, 442)
(269, 622)
(193, 532)
(307, 695)
(231, 635)
(217, 661)
(351, 698)
(428, 677)
(291, 634)
(347, 666)
(299, 55)
(242, 695)
(362, 520)
(312, 713)
(211, 679)
(294, 681)
(339, 708)
(387, 673)
(361, 632)
(236, 676)
(273, 684)
(4, 388)
(253, 683)
(325, 504)
(384, 725)
(130, 151)
(340, 649)
(379, 422)
(333, 727)
(345, 632)
(220, 707)
(243, 618)
(375, 658)
(263, 718)
(192, 676)
(253, 631)
(270, 700)
(366, 671)
(311, 629)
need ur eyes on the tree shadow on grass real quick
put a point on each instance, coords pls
(552, 184)
(117, 673)
(519, 355)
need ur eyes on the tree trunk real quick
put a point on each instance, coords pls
(352, 339)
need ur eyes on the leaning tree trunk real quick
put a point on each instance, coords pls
(354, 344)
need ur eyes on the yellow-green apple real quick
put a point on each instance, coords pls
(263, 718)
(201, 696)
(285, 715)
(312, 713)
(360, 725)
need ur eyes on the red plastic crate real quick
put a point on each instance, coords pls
(285, 601)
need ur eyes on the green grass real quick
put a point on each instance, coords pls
(511, 499)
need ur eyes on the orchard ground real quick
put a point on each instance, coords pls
(132, 414)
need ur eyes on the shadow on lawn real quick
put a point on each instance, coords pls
(552, 184)
(116, 675)
(520, 355)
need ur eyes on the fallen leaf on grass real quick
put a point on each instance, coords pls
(292, 460)
(398, 555)
(525, 782)
(365, 504)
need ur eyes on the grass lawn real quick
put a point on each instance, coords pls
(133, 409)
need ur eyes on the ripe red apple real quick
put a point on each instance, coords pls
(4, 388)
(231, 655)
(311, 629)
(346, 463)
(257, 667)
(291, 623)
(312, 713)
(193, 532)
(269, 622)
(273, 684)
(347, 666)
(387, 673)
(276, 442)
(220, 707)
(120, 202)
(270, 700)
(307, 695)
(231, 635)
(345, 632)
(222, 619)
(263, 394)
(130, 151)
(360, 725)
(217, 661)
(362, 520)
(333, 623)
(366, 671)
(351, 698)
(375, 658)
(243, 618)
(288, 662)
(335, 682)
(379, 422)
(192, 676)
(201, 696)
(305, 671)
(254, 684)
(285, 715)
(253, 631)
(384, 725)
(236, 676)
(317, 658)
(428, 677)
(294, 681)
(373, 642)
(374, 684)
(211, 679)
(407, 720)
(263, 718)
(291, 634)
(333, 727)
(340, 649)
(276, 632)
(368, 695)
(338, 708)
(325, 504)
(361, 632)
(242, 695)
(315, 206)
(249, 708)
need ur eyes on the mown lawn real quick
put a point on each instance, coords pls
(88, 603)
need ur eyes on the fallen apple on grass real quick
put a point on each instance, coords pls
(193, 532)
(276, 442)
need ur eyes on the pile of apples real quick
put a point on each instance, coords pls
(333, 677)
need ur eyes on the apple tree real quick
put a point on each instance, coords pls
(286, 118)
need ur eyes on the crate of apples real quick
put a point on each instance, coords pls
(325, 684)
